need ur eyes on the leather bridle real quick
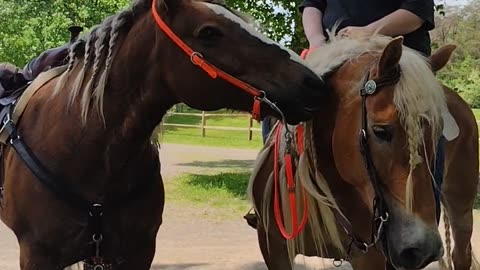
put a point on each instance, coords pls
(214, 72)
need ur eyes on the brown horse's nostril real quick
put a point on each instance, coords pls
(314, 83)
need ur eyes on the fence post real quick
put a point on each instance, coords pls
(250, 132)
(204, 121)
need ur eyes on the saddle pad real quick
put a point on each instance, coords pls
(23, 100)
(450, 126)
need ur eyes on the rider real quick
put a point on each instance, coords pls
(412, 19)
(12, 78)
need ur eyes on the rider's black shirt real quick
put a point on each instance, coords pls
(364, 12)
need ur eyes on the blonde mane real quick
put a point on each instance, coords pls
(321, 221)
(418, 96)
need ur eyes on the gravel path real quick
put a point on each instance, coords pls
(190, 241)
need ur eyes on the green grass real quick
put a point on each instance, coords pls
(477, 202)
(476, 112)
(224, 194)
(220, 138)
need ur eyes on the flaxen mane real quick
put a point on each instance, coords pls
(320, 200)
(418, 96)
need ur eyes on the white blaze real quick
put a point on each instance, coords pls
(247, 27)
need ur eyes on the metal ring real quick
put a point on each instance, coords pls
(97, 238)
(337, 263)
(98, 267)
(14, 139)
(199, 55)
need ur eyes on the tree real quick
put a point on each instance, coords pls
(28, 27)
(461, 26)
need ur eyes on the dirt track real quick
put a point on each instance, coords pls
(189, 241)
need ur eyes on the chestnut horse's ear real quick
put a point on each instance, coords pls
(390, 56)
(441, 56)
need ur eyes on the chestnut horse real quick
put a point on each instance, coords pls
(94, 190)
(362, 188)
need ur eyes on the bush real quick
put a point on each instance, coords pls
(463, 76)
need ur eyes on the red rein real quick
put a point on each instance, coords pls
(296, 228)
(214, 72)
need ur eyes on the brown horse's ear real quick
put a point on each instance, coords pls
(172, 5)
(440, 57)
(390, 56)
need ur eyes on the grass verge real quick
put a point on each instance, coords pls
(222, 194)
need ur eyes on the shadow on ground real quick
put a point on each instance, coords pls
(177, 266)
(228, 163)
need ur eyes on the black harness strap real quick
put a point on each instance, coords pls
(65, 192)
(381, 214)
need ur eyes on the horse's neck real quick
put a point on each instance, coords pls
(138, 95)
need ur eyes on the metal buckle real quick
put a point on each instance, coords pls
(192, 57)
(96, 210)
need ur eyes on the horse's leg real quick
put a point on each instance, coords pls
(34, 257)
(275, 251)
(459, 196)
(140, 258)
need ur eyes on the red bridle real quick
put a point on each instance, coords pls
(197, 59)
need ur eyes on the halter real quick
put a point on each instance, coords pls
(380, 210)
(197, 59)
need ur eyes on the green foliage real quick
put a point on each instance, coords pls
(280, 20)
(29, 27)
(461, 26)
(463, 76)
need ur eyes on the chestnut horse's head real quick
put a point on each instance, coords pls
(230, 42)
(387, 126)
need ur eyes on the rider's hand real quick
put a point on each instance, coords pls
(356, 31)
(316, 41)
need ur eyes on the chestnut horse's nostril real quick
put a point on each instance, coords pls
(416, 258)
(412, 257)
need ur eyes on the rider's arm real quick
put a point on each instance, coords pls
(411, 15)
(312, 21)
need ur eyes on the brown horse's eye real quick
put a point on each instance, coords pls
(383, 132)
(209, 34)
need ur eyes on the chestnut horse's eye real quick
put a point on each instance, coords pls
(383, 132)
(209, 34)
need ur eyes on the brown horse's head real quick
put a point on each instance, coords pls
(230, 42)
(402, 121)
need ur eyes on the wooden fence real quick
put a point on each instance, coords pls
(204, 116)
(203, 125)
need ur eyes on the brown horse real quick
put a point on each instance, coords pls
(365, 175)
(100, 189)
